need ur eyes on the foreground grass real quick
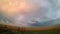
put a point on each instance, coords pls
(4, 29)
(7, 31)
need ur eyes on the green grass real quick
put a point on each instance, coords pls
(6, 31)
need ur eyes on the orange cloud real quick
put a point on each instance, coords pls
(14, 6)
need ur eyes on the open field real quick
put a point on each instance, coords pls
(6, 29)
(29, 28)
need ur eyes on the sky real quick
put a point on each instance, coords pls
(22, 12)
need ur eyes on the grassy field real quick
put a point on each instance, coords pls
(4, 29)
(7, 31)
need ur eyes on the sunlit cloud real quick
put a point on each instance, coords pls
(23, 11)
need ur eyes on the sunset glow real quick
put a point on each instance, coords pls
(15, 6)
(30, 12)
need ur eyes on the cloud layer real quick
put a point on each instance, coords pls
(22, 12)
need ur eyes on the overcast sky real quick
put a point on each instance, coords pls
(23, 11)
